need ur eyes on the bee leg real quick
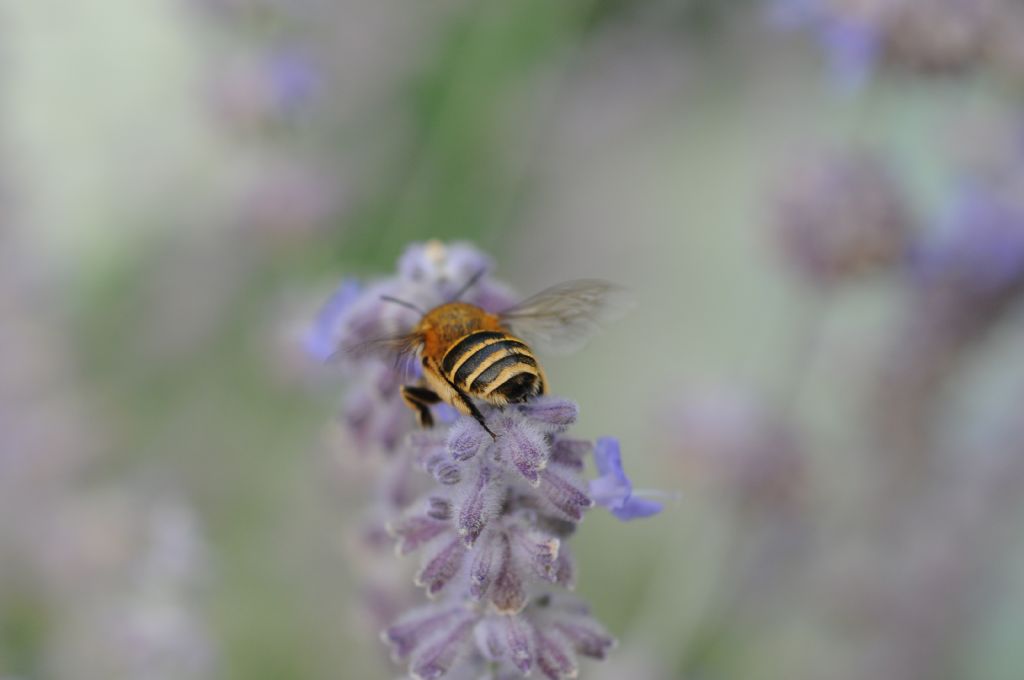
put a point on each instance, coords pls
(468, 406)
(420, 399)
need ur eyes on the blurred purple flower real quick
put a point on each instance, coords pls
(743, 446)
(841, 215)
(852, 43)
(321, 340)
(613, 489)
(853, 46)
(926, 36)
(294, 80)
(979, 245)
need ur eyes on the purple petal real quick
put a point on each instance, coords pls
(610, 491)
(613, 489)
(608, 458)
(636, 508)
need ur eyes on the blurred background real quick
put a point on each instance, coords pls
(818, 205)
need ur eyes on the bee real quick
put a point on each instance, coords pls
(468, 353)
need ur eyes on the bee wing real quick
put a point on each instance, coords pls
(399, 348)
(564, 317)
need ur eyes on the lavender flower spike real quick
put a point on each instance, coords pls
(613, 489)
(493, 514)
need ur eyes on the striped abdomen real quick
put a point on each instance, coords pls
(493, 366)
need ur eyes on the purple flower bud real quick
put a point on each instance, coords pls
(489, 638)
(441, 567)
(571, 453)
(554, 659)
(443, 470)
(439, 508)
(565, 569)
(410, 631)
(560, 488)
(358, 417)
(524, 446)
(552, 411)
(483, 567)
(506, 638)
(481, 503)
(412, 532)
(465, 438)
(537, 550)
(588, 640)
(445, 268)
(440, 656)
(508, 594)
(575, 624)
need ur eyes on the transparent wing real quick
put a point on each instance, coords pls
(401, 349)
(563, 318)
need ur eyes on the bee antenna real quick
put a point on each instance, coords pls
(469, 284)
(388, 298)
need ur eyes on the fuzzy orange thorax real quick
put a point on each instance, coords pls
(442, 326)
